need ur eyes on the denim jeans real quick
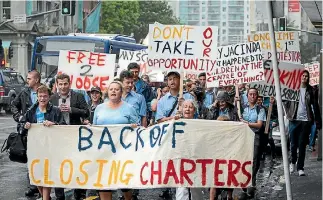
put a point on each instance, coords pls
(299, 136)
(313, 135)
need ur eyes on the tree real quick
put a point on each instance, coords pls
(151, 12)
(119, 17)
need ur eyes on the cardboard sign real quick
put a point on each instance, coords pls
(141, 58)
(182, 47)
(287, 43)
(87, 69)
(290, 78)
(237, 64)
(314, 69)
(185, 153)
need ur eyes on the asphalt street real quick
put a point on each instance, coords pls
(13, 176)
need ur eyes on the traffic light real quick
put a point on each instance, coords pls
(68, 7)
(282, 24)
(10, 52)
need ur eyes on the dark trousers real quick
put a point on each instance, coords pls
(32, 187)
(59, 193)
(257, 152)
(299, 137)
(267, 138)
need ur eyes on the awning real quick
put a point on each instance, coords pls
(313, 10)
(6, 44)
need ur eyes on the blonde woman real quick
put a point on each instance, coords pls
(115, 111)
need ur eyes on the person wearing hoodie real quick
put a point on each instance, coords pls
(223, 106)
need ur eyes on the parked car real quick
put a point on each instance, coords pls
(11, 83)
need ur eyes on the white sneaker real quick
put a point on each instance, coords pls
(301, 173)
(291, 168)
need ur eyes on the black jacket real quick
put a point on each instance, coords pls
(79, 107)
(311, 99)
(52, 114)
(214, 113)
(21, 103)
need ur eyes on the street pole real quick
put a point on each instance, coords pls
(279, 101)
(319, 156)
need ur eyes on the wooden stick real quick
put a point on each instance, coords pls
(268, 118)
(181, 87)
(238, 102)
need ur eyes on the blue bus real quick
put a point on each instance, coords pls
(46, 49)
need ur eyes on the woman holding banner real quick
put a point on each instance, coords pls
(115, 111)
(43, 112)
(189, 108)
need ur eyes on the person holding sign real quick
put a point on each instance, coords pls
(301, 118)
(43, 112)
(182, 193)
(254, 116)
(167, 107)
(74, 108)
(115, 111)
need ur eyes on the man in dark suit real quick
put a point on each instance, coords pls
(73, 107)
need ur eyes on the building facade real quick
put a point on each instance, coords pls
(231, 16)
(41, 21)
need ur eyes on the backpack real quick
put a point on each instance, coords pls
(16, 146)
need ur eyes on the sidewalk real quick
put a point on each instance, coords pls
(307, 187)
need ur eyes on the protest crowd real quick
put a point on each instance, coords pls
(130, 98)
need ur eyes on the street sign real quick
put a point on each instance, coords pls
(19, 19)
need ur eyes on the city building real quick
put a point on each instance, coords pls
(231, 16)
(37, 18)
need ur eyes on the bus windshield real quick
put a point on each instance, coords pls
(47, 52)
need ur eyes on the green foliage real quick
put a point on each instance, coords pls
(126, 17)
(151, 12)
(119, 17)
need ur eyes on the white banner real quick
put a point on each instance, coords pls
(182, 47)
(237, 64)
(190, 153)
(87, 69)
(141, 58)
(314, 70)
(287, 43)
(290, 78)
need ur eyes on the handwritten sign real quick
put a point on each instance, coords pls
(126, 57)
(141, 58)
(182, 47)
(118, 156)
(237, 64)
(87, 69)
(191, 76)
(287, 43)
(290, 78)
(314, 69)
